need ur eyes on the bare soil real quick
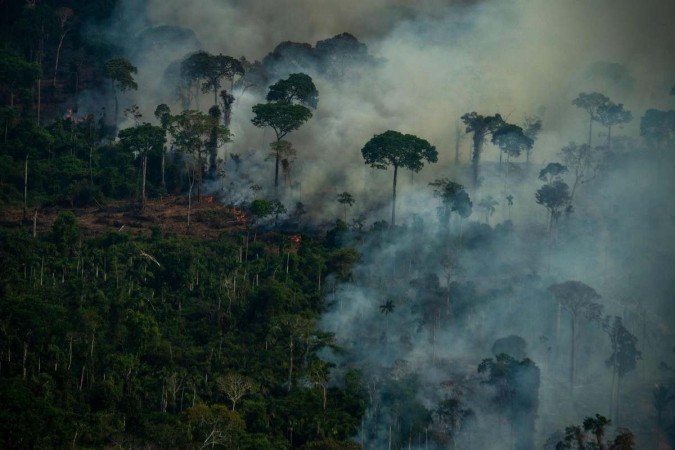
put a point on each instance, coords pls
(208, 219)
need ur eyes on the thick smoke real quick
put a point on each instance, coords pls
(431, 62)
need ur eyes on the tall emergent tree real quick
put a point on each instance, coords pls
(481, 126)
(623, 359)
(487, 204)
(143, 139)
(531, 128)
(658, 128)
(575, 436)
(192, 71)
(221, 67)
(406, 151)
(120, 72)
(282, 118)
(297, 88)
(285, 112)
(584, 163)
(192, 133)
(516, 395)
(609, 115)
(211, 69)
(591, 103)
(512, 140)
(163, 114)
(554, 196)
(454, 198)
(579, 300)
(346, 200)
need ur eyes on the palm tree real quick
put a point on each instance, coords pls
(488, 204)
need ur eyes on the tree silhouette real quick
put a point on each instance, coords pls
(590, 103)
(623, 359)
(488, 204)
(575, 436)
(120, 72)
(284, 114)
(481, 126)
(516, 397)
(143, 139)
(216, 68)
(554, 197)
(454, 198)
(192, 132)
(406, 151)
(282, 118)
(346, 200)
(511, 140)
(531, 129)
(551, 172)
(583, 162)
(658, 128)
(578, 299)
(610, 114)
(387, 307)
(298, 87)
(452, 413)
(509, 202)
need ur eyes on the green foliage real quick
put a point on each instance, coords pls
(143, 139)
(16, 73)
(392, 148)
(554, 197)
(64, 231)
(611, 114)
(454, 198)
(625, 354)
(551, 172)
(591, 103)
(658, 126)
(298, 87)
(575, 436)
(117, 336)
(512, 140)
(281, 117)
(121, 74)
(261, 208)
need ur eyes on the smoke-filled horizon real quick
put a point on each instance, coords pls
(433, 61)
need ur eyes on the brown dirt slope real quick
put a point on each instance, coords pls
(209, 219)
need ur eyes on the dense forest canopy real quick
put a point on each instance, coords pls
(337, 225)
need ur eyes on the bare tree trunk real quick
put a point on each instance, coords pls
(35, 222)
(25, 357)
(573, 354)
(276, 165)
(612, 395)
(458, 138)
(617, 400)
(145, 171)
(475, 158)
(590, 129)
(192, 182)
(25, 187)
(39, 102)
(393, 203)
(117, 105)
(290, 365)
(58, 55)
(163, 163)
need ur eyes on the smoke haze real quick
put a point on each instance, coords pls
(432, 62)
